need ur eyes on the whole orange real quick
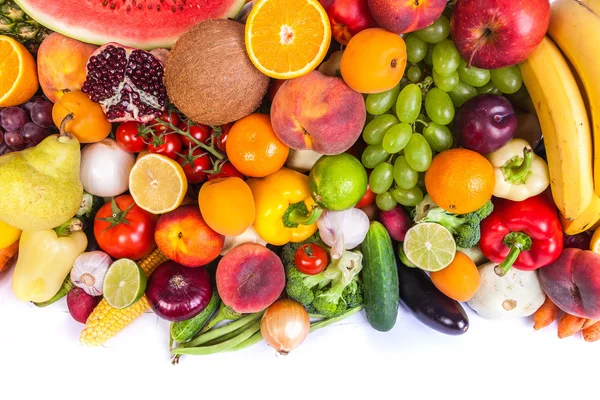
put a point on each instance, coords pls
(459, 280)
(374, 61)
(253, 148)
(227, 205)
(460, 180)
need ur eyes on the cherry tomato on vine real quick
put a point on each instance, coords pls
(124, 230)
(226, 170)
(129, 138)
(199, 132)
(368, 198)
(310, 259)
(172, 117)
(195, 165)
(221, 136)
(167, 144)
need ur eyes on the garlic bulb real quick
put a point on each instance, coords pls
(89, 270)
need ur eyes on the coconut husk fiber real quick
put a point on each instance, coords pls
(209, 76)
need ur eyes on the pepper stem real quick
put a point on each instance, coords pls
(299, 217)
(72, 225)
(63, 126)
(518, 169)
(517, 242)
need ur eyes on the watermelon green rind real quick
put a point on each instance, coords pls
(95, 21)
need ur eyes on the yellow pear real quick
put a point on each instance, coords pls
(40, 186)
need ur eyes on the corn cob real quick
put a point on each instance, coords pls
(105, 321)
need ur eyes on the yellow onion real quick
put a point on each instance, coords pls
(285, 325)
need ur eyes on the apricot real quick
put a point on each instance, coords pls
(61, 64)
(374, 61)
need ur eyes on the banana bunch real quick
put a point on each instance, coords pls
(561, 76)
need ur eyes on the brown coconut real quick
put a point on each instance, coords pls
(209, 76)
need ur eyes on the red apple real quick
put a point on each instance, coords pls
(348, 17)
(403, 16)
(184, 237)
(493, 34)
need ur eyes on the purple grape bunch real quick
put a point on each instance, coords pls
(25, 126)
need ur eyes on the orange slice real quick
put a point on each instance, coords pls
(157, 183)
(18, 73)
(287, 38)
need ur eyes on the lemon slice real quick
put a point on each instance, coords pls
(157, 183)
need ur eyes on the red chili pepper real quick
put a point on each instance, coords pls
(526, 234)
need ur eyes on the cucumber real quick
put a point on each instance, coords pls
(184, 331)
(380, 278)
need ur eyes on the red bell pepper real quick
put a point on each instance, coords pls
(526, 234)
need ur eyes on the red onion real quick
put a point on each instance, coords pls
(177, 293)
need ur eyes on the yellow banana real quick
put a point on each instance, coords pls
(565, 125)
(588, 220)
(575, 27)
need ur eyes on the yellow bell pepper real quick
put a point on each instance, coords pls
(45, 259)
(285, 211)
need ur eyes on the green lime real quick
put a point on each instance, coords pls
(124, 283)
(337, 182)
(429, 246)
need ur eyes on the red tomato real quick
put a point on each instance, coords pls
(166, 116)
(226, 171)
(199, 132)
(129, 138)
(168, 144)
(368, 198)
(123, 230)
(195, 165)
(310, 259)
(221, 136)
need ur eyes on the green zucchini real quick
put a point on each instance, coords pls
(184, 331)
(380, 278)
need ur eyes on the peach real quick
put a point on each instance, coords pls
(572, 282)
(184, 237)
(61, 64)
(407, 15)
(318, 112)
(250, 278)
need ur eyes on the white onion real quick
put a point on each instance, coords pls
(105, 168)
(343, 230)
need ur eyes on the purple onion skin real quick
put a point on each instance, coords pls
(397, 222)
(485, 123)
(580, 241)
(177, 293)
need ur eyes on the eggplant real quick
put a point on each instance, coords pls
(428, 304)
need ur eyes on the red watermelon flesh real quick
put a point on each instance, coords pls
(145, 24)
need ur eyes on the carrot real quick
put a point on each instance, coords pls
(592, 333)
(589, 322)
(545, 315)
(569, 324)
(6, 254)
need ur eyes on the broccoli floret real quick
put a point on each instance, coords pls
(332, 301)
(300, 287)
(464, 227)
(353, 294)
(485, 210)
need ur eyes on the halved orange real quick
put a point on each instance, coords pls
(157, 183)
(18, 73)
(287, 38)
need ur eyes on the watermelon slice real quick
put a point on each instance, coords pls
(144, 24)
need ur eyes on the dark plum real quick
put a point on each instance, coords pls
(41, 114)
(13, 118)
(485, 123)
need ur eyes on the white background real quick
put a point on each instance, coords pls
(40, 355)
